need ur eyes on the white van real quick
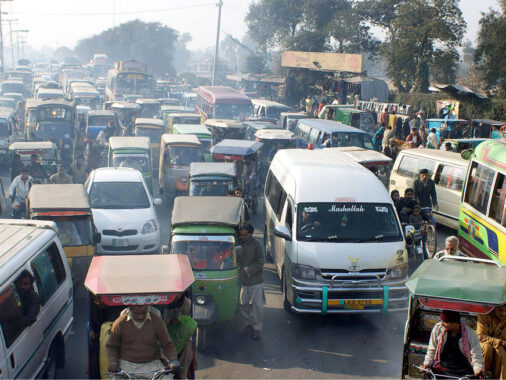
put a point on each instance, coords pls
(446, 169)
(32, 344)
(333, 233)
(268, 108)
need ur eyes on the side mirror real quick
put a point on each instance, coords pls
(97, 237)
(466, 154)
(165, 249)
(283, 232)
(409, 229)
(157, 201)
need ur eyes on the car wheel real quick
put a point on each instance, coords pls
(286, 303)
(50, 372)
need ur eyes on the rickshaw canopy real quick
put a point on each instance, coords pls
(147, 122)
(224, 211)
(129, 142)
(259, 125)
(193, 129)
(33, 145)
(364, 156)
(180, 139)
(236, 147)
(224, 123)
(199, 169)
(57, 197)
(125, 105)
(459, 280)
(138, 279)
(275, 134)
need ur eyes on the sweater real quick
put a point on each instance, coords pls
(252, 261)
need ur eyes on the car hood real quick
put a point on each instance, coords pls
(125, 219)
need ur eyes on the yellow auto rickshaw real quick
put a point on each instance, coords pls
(152, 128)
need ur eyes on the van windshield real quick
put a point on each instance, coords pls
(347, 222)
(340, 139)
(154, 134)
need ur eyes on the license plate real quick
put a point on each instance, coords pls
(120, 242)
(354, 304)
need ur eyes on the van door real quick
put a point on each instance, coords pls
(449, 180)
(282, 245)
(407, 171)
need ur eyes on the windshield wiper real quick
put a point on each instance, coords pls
(371, 238)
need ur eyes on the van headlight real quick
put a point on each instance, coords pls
(304, 272)
(149, 227)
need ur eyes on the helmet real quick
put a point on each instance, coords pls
(310, 146)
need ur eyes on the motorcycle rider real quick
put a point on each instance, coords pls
(35, 169)
(18, 191)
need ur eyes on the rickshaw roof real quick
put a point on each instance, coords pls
(121, 142)
(224, 123)
(192, 129)
(275, 134)
(236, 147)
(261, 125)
(100, 113)
(32, 145)
(185, 114)
(224, 211)
(212, 169)
(365, 156)
(58, 197)
(460, 281)
(147, 101)
(125, 104)
(138, 274)
(168, 138)
(148, 121)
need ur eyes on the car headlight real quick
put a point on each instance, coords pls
(149, 227)
(200, 300)
(305, 272)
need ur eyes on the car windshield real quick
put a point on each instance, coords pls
(183, 155)
(366, 122)
(13, 87)
(118, 195)
(362, 140)
(210, 188)
(347, 222)
(150, 110)
(134, 84)
(139, 162)
(74, 231)
(233, 111)
(93, 103)
(220, 133)
(206, 252)
(154, 134)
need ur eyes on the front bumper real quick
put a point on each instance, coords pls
(347, 297)
(133, 244)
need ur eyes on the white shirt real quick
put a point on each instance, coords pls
(20, 187)
(432, 139)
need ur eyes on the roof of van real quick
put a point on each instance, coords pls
(116, 175)
(342, 179)
(15, 238)
(435, 154)
(329, 126)
(269, 103)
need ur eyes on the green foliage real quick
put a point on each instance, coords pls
(255, 64)
(151, 43)
(491, 50)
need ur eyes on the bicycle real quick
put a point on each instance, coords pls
(430, 238)
(430, 375)
(145, 375)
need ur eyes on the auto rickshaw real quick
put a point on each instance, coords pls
(152, 128)
(69, 208)
(444, 127)
(205, 229)
(244, 154)
(274, 140)
(47, 152)
(166, 110)
(96, 121)
(116, 282)
(486, 128)
(212, 178)
(181, 118)
(468, 285)
(459, 145)
(132, 152)
(253, 127)
(150, 108)
(126, 113)
(177, 152)
(225, 129)
(203, 134)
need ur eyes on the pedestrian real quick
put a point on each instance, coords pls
(423, 136)
(386, 137)
(405, 128)
(61, 176)
(378, 137)
(251, 266)
(109, 130)
(398, 129)
(394, 194)
(414, 137)
(78, 170)
(432, 141)
(425, 193)
(391, 150)
(451, 248)
(491, 331)
(409, 194)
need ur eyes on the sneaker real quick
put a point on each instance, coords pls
(256, 335)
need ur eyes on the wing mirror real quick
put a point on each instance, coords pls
(157, 201)
(97, 237)
(165, 249)
(283, 232)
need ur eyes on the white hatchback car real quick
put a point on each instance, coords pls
(123, 211)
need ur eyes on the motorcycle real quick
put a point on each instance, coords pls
(417, 250)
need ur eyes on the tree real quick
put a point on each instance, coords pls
(491, 50)
(419, 34)
(254, 64)
(151, 43)
(181, 53)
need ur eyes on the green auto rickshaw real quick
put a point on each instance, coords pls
(203, 134)
(212, 178)
(132, 152)
(468, 285)
(205, 229)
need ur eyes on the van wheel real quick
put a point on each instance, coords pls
(52, 357)
(286, 303)
(268, 254)
(201, 338)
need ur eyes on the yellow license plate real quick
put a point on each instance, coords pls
(354, 304)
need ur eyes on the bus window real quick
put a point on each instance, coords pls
(498, 205)
(479, 187)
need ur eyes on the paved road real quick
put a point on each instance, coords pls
(292, 346)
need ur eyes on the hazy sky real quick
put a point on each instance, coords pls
(63, 22)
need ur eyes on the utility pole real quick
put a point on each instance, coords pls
(215, 65)
(12, 44)
(2, 62)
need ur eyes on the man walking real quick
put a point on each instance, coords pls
(251, 298)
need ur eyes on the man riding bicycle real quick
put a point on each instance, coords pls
(425, 194)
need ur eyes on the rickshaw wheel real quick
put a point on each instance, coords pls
(201, 338)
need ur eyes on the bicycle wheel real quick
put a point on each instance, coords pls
(431, 241)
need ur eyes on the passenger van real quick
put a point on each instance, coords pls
(338, 247)
(446, 169)
(322, 133)
(33, 349)
(268, 109)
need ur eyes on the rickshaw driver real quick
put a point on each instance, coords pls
(454, 348)
(134, 342)
(491, 331)
(35, 169)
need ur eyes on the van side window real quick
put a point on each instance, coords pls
(450, 177)
(48, 271)
(281, 202)
(498, 205)
(410, 166)
(289, 216)
(479, 186)
(275, 195)
(314, 135)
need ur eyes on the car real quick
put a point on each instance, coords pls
(123, 211)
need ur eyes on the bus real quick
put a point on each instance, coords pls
(129, 78)
(482, 217)
(221, 102)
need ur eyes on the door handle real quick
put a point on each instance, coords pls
(13, 361)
